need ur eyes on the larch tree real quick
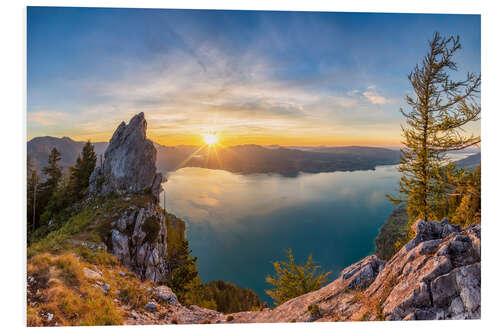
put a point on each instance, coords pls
(438, 111)
(292, 280)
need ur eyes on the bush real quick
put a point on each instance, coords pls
(152, 228)
(292, 280)
(230, 298)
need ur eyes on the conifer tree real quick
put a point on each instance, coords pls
(53, 174)
(438, 110)
(292, 280)
(81, 171)
(32, 189)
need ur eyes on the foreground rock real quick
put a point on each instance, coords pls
(129, 164)
(437, 275)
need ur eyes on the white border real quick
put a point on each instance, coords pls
(13, 116)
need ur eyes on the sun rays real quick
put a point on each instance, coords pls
(209, 149)
(210, 138)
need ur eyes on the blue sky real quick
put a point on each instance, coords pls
(252, 76)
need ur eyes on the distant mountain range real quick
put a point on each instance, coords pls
(470, 162)
(39, 149)
(245, 159)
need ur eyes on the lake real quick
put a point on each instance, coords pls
(238, 224)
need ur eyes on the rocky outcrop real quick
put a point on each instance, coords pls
(437, 275)
(138, 238)
(137, 233)
(129, 164)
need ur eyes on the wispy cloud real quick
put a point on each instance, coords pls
(374, 97)
(46, 118)
(179, 97)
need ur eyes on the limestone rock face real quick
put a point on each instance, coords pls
(361, 274)
(437, 275)
(138, 238)
(129, 164)
(138, 234)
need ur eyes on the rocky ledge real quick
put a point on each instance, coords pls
(437, 275)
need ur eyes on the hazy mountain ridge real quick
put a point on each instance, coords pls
(39, 148)
(240, 159)
(470, 162)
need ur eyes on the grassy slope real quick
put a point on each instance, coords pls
(57, 284)
(59, 293)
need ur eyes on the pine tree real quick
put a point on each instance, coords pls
(53, 174)
(438, 111)
(33, 191)
(293, 280)
(81, 171)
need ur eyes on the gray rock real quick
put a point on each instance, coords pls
(166, 295)
(120, 248)
(145, 255)
(105, 287)
(151, 307)
(129, 164)
(437, 275)
(361, 274)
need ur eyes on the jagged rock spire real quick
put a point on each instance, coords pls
(129, 164)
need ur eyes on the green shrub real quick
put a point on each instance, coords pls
(152, 228)
(292, 280)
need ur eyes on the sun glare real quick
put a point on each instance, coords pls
(210, 139)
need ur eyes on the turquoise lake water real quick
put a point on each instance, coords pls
(238, 224)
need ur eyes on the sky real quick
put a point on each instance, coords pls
(252, 77)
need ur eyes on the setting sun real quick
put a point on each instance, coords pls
(210, 138)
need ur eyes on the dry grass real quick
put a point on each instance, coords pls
(375, 304)
(71, 270)
(60, 294)
(66, 297)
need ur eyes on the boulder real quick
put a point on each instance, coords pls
(166, 294)
(151, 307)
